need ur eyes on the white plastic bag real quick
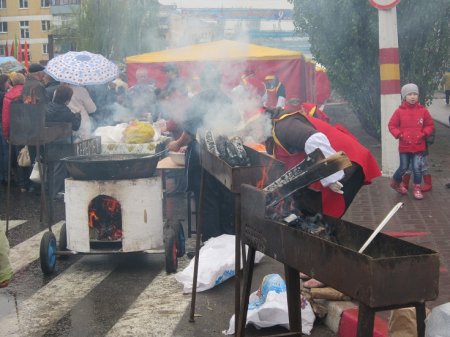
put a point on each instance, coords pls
(35, 176)
(268, 307)
(216, 264)
(437, 323)
(111, 134)
(23, 159)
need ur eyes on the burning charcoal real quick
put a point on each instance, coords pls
(221, 143)
(241, 153)
(211, 143)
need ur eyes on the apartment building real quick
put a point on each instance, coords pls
(26, 20)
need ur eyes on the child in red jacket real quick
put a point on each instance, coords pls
(411, 124)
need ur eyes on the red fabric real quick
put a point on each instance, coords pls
(11, 51)
(356, 152)
(411, 124)
(349, 323)
(312, 110)
(288, 71)
(25, 47)
(19, 52)
(10, 96)
(322, 86)
(6, 49)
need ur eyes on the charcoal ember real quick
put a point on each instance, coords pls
(244, 160)
(221, 145)
(211, 143)
(232, 152)
(314, 225)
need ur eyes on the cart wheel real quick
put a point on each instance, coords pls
(48, 253)
(170, 248)
(181, 240)
(62, 245)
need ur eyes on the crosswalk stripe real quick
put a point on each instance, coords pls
(27, 251)
(157, 310)
(12, 224)
(37, 314)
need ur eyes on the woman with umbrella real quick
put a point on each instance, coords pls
(80, 69)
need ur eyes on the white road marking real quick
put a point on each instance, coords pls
(12, 224)
(35, 315)
(158, 308)
(27, 251)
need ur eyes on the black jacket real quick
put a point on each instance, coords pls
(61, 113)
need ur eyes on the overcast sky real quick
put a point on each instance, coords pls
(269, 4)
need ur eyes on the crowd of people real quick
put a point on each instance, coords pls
(297, 129)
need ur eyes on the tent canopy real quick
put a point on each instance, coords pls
(232, 59)
(215, 51)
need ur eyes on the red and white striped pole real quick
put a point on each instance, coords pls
(390, 79)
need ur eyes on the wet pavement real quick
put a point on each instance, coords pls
(131, 295)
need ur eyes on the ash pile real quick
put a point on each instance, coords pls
(229, 149)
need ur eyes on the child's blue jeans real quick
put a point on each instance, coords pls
(413, 159)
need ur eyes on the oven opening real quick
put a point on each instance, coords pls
(105, 222)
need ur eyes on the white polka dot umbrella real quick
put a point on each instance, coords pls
(82, 68)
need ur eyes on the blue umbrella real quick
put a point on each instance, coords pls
(9, 64)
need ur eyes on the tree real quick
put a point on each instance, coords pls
(116, 28)
(344, 38)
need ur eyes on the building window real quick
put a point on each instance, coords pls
(45, 3)
(23, 3)
(2, 4)
(45, 48)
(24, 30)
(45, 25)
(2, 50)
(3, 27)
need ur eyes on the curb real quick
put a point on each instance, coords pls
(342, 319)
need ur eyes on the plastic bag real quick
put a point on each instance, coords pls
(216, 264)
(437, 323)
(35, 176)
(268, 307)
(138, 133)
(111, 134)
(23, 159)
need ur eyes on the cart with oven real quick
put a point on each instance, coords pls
(113, 204)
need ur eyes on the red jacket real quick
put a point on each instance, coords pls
(12, 95)
(411, 124)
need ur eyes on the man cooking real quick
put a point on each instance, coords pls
(211, 102)
(295, 135)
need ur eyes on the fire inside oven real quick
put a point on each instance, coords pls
(105, 219)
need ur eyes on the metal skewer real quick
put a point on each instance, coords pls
(380, 226)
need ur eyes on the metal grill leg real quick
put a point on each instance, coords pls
(197, 248)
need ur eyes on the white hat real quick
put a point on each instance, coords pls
(408, 89)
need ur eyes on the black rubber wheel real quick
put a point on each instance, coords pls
(62, 244)
(181, 240)
(47, 253)
(170, 249)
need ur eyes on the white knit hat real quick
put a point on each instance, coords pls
(408, 89)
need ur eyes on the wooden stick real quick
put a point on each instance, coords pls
(381, 225)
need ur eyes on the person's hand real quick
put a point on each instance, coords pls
(173, 146)
(336, 187)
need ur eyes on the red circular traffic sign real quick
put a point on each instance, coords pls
(384, 4)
